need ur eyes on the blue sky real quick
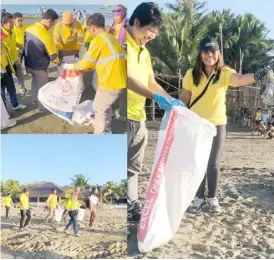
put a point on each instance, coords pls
(262, 9)
(60, 2)
(57, 158)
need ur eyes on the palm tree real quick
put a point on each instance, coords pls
(176, 47)
(80, 181)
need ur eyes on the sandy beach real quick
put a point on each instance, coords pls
(30, 121)
(245, 228)
(47, 240)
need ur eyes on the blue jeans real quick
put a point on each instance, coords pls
(8, 83)
(73, 220)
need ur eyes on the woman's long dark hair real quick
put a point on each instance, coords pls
(93, 191)
(199, 69)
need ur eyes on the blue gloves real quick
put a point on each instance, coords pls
(165, 104)
(177, 103)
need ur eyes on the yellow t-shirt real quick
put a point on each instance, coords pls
(7, 201)
(140, 67)
(20, 34)
(73, 204)
(24, 201)
(52, 201)
(212, 105)
(11, 44)
(6, 59)
(258, 116)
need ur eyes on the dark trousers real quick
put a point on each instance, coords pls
(8, 83)
(25, 213)
(73, 220)
(7, 211)
(213, 168)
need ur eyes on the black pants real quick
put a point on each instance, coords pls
(7, 211)
(213, 168)
(25, 213)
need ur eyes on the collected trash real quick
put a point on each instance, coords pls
(62, 97)
(180, 163)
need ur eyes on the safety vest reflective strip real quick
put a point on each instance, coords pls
(114, 55)
(3, 71)
(71, 39)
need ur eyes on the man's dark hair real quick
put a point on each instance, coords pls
(6, 17)
(8, 194)
(50, 14)
(25, 190)
(97, 20)
(17, 15)
(53, 190)
(147, 13)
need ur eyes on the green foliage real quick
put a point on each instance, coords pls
(11, 186)
(80, 181)
(245, 42)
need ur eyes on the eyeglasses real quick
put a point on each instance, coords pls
(117, 11)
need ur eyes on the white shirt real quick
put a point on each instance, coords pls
(93, 200)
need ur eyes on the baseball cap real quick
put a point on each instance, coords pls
(74, 193)
(209, 44)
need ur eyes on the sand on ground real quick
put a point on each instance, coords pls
(47, 240)
(30, 121)
(245, 228)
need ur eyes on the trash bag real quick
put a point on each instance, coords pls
(84, 114)
(59, 214)
(4, 115)
(180, 163)
(81, 214)
(62, 96)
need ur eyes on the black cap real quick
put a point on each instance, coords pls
(209, 44)
(50, 14)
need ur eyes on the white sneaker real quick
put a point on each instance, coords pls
(11, 123)
(213, 205)
(65, 231)
(19, 107)
(197, 205)
(77, 235)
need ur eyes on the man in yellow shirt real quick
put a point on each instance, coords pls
(52, 204)
(24, 209)
(7, 28)
(40, 50)
(144, 23)
(7, 202)
(69, 38)
(7, 83)
(107, 58)
(19, 30)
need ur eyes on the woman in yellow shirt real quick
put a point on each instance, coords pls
(73, 206)
(7, 202)
(118, 27)
(204, 90)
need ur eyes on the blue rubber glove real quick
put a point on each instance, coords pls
(163, 102)
(177, 103)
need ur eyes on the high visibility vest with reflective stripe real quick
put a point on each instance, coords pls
(72, 42)
(111, 67)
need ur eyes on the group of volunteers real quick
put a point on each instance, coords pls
(71, 206)
(264, 124)
(38, 46)
(203, 92)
